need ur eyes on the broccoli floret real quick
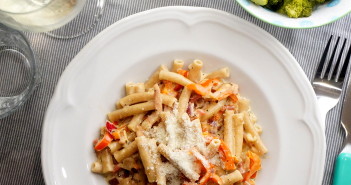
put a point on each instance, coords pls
(274, 4)
(297, 8)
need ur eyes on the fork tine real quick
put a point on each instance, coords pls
(345, 66)
(323, 59)
(338, 65)
(330, 63)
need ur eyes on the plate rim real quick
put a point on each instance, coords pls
(75, 62)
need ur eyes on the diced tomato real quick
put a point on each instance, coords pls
(104, 142)
(110, 126)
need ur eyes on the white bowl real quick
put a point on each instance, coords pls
(322, 15)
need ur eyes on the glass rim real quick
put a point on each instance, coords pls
(34, 78)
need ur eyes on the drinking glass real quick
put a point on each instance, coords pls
(48, 15)
(18, 70)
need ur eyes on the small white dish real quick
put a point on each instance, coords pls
(322, 15)
(131, 49)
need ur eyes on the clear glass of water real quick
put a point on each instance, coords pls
(46, 15)
(18, 70)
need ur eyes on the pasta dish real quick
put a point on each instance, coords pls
(183, 127)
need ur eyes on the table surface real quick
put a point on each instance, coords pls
(21, 132)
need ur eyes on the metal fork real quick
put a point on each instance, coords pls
(330, 76)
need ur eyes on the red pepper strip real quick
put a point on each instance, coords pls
(110, 126)
(233, 97)
(215, 178)
(199, 89)
(210, 176)
(183, 72)
(227, 157)
(255, 165)
(202, 159)
(116, 132)
(205, 178)
(104, 142)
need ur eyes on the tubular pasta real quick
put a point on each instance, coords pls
(181, 127)
(145, 152)
(174, 77)
(231, 178)
(229, 130)
(131, 110)
(155, 77)
(221, 73)
(183, 100)
(177, 64)
(248, 126)
(213, 110)
(126, 152)
(238, 134)
(145, 96)
(195, 73)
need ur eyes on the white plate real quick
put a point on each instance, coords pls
(133, 48)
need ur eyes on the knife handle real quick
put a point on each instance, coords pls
(342, 170)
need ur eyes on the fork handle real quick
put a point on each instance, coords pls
(342, 170)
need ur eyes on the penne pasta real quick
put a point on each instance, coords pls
(135, 121)
(131, 110)
(126, 152)
(221, 73)
(213, 110)
(231, 178)
(106, 161)
(174, 77)
(146, 148)
(238, 134)
(249, 127)
(212, 148)
(144, 97)
(155, 77)
(183, 100)
(228, 134)
(181, 128)
(195, 73)
(150, 120)
(177, 64)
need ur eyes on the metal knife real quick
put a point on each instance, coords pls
(342, 168)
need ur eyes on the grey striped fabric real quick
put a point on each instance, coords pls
(20, 133)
